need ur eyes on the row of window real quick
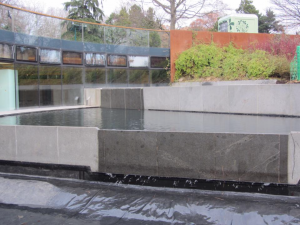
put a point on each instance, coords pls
(51, 56)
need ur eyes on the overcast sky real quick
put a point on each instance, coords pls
(110, 6)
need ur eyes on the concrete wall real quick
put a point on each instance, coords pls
(244, 99)
(242, 157)
(214, 83)
(56, 145)
(92, 97)
(127, 98)
(294, 158)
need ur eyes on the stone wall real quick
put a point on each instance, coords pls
(54, 145)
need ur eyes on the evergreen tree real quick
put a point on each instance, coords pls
(266, 23)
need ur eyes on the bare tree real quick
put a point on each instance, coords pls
(179, 9)
(288, 12)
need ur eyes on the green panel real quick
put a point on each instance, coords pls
(7, 90)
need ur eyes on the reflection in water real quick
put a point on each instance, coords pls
(121, 119)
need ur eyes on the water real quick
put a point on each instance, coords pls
(120, 119)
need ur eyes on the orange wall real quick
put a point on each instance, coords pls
(182, 40)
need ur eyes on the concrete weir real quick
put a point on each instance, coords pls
(249, 157)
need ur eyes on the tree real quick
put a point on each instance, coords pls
(84, 9)
(266, 23)
(135, 16)
(205, 23)
(180, 9)
(289, 11)
(269, 24)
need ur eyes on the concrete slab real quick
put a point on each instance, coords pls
(134, 98)
(118, 98)
(244, 157)
(294, 158)
(92, 97)
(79, 146)
(161, 98)
(283, 164)
(190, 99)
(8, 143)
(130, 152)
(106, 98)
(215, 99)
(242, 99)
(294, 99)
(188, 155)
(273, 99)
(37, 144)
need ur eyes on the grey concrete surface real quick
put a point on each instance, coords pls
(122, 98)
(247, 157)
(37, 144)
(242, 99)
(8, 142)
(215, 99)
(191, 99)
(245, 99)
(240, 157)
(161, 98)
(55, 145)
(92, 97)
(294, 158)
(129, 152)
(79, 146)
(28, 200)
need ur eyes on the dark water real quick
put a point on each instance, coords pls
(48, 201)
(120, 119)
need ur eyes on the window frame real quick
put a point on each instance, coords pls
(62, 58)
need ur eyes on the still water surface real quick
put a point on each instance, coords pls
(121, 119)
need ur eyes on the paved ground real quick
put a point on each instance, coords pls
(28, 200)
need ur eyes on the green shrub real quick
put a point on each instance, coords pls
(229, 63)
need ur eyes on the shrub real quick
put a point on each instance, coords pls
(280, 44)
(230, 63)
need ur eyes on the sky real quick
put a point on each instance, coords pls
(110, 6)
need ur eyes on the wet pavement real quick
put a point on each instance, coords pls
(28, 200)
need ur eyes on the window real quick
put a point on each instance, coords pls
(138, 61)
(117, 60)
(159, 62)
(26, 54)
(74, 58)
(95, 59)
(49, 56)
(223, 26)
(6, 51)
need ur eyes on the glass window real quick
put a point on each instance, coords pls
(223, 26)
(95, 59)
(72, 88)
(117, 60)
(159, 62)
(138, 61)
(50, 56)
(50, 85)
(117, 77)
(26, 54)
(74, 58)
(6, 51)
(27, 85)
(139, 77)
(95, 75)
(160, 77)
